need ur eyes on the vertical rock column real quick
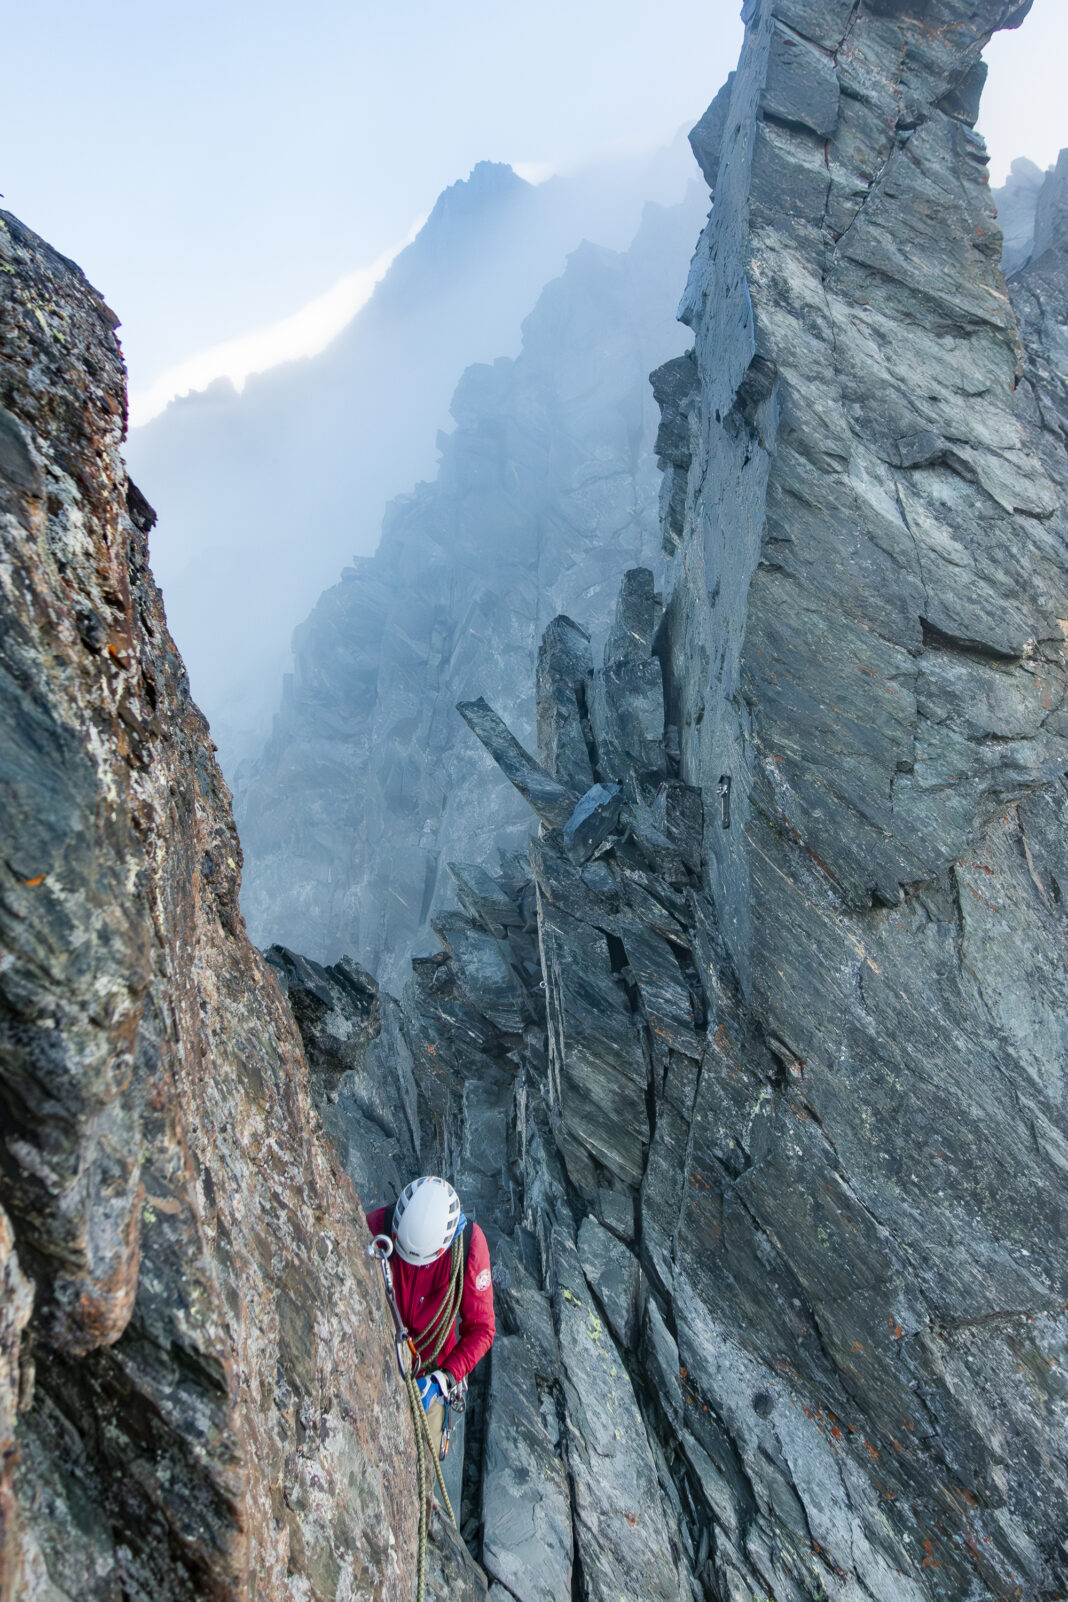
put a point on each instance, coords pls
(865, 641)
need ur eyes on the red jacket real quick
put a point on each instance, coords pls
(421, 1291)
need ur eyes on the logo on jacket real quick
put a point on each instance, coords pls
(483, 1281)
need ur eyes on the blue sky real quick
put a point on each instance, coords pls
(217, 166)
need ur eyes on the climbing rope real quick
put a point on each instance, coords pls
(428, 1344)
(412, 1356)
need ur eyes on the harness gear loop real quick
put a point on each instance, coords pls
(422, 1353)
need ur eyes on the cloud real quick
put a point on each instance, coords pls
(533, 172)
(303, 333)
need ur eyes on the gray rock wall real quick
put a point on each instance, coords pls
(771, 1143)
(866, 627)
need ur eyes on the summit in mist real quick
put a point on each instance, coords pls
(264, 496)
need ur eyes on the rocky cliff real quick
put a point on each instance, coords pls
(546, 492)
(195, 1389)
(866, 643)
(754, 1067)
(750, 1064)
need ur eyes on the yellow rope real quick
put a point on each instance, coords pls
(424, 1450)
(429, 1342)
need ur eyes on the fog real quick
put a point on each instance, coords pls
(264, 496)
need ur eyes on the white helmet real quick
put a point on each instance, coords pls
(425, 1219)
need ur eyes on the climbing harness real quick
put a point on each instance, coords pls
(413, 1355)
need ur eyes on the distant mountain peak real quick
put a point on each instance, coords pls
(487, 183)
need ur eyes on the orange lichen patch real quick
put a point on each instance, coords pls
(33, 883)
(929, 1561)
(432, 1050)
(872, 1451)
(895, 1330)
(896, 1445)
(856, 1347)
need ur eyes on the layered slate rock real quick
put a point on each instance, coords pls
(203, 1377)
(865, 641)
(547, 490)
(511, 1053)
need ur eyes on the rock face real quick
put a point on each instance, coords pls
(751, 1064)
(865, 639)
(547, 491)
(204, 1377)
(754, 1070)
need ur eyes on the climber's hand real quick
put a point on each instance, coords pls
(428, 1391)
(444, 1381)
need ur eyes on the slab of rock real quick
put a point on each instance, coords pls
(550, 800)
(598, 1068)
(526, 1504)
(565, 668)
(624, 1536)
(483, 968)
(594, 820)
(614, 1277)
(481, 896)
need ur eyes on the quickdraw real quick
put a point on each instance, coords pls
(381, 1249)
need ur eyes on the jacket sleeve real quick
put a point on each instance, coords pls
(477, 1323)
(376, 1219)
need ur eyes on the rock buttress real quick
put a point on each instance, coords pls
(866, 644)
(205, 1374)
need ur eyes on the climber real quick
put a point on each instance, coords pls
(440, 1268)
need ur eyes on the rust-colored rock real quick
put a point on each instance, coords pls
(213, 1414)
